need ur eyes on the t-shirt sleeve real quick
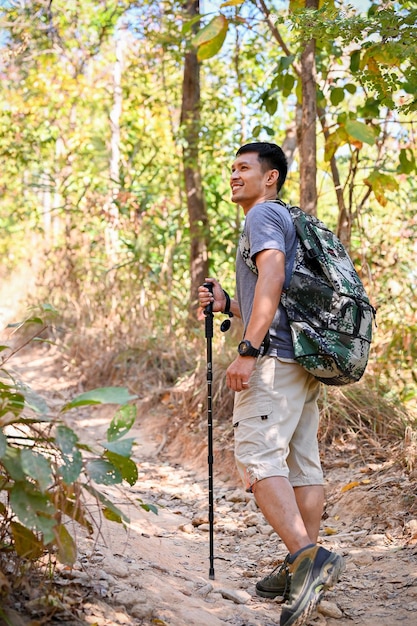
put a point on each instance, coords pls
(265, 228)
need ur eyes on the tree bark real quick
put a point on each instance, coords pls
(197, 211)
(308, 141)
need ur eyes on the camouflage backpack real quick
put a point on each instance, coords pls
(329, 313)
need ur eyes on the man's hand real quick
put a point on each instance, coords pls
(239, 372)
(218, 299)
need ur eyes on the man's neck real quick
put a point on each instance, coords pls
(260, 200)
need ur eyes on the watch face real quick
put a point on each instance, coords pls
(243, 347)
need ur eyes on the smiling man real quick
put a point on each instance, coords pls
(275, 415)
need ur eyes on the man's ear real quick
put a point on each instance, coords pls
(272, 178)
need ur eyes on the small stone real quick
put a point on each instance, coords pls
(116, 568)
(128, 598)
(411, 527)
(238, 596)
(330, 609)
(251, 531)
(204, 527)
(186, 528)
(253, 519)
(141, 611)
(204, 590)
(237, 496)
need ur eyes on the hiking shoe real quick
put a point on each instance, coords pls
(275, 584)
(312, 572)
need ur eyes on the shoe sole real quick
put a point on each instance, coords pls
(334, 570)
(269, 594)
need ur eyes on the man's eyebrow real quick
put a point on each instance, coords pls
(240, 163)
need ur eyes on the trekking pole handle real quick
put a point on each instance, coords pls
(208, 312)
(209, 308)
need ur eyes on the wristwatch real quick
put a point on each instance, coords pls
(245, 348)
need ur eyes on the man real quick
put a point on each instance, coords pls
(275, 414)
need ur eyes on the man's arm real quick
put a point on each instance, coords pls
(271, 277)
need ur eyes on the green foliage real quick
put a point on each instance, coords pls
(113, 255)
(45, 469)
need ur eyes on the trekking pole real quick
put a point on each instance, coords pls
(208, 312)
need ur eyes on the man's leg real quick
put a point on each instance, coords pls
(277, 501)
(310, 501)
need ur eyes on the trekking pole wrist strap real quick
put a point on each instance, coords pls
(226, 309)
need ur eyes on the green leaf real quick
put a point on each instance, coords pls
(337, 95)
(407, 162)
(33, 509)
(67, 549)
(127, 467)
(37, 467)
(26, 543)
(122, 422)
(13, 464)
(360, 131)
(271, 105)
(110, 511)
(380, 183)
(350, 88)
(370, 108)
(287, 85)
(122, 447)
(210, 39)
(355, 60)
(334, 141)
(102, 395)
(10, 402)
(187, 26)
(148, 507)
(285, 62)
(67, 440)
(103, 472)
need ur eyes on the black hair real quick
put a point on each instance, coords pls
(271, 157)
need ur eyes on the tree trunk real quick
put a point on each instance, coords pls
(197, 212)
(308, 142)
(344, 226)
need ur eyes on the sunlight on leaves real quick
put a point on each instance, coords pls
(67, 441)
(102, 395)
(127, 467)
(380, 183)
(122, 422)
(103, 472)
(210, 39)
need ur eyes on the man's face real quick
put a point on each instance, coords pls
(248, 181)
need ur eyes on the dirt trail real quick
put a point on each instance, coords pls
(156, 570)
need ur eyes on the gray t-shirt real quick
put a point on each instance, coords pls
(268, 226)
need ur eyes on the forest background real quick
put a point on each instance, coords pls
(119, 121)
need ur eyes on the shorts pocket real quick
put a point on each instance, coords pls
(245, 410)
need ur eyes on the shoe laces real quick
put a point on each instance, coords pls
(278, 569)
